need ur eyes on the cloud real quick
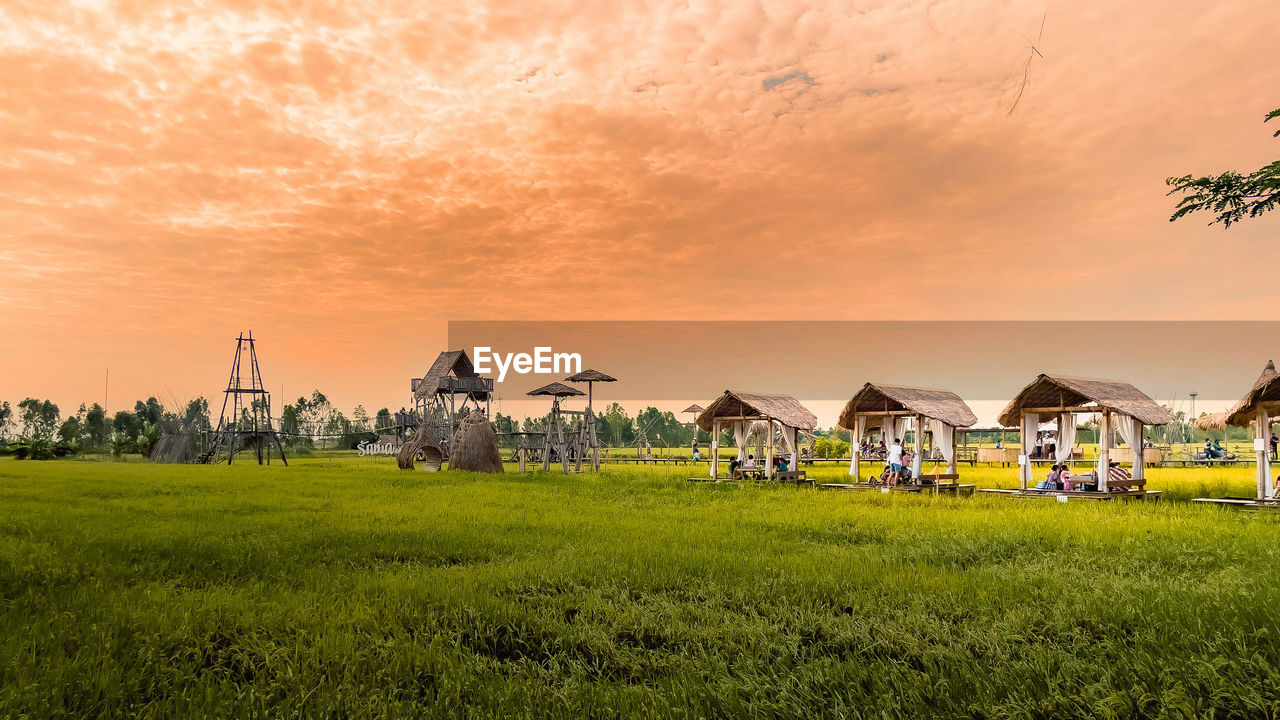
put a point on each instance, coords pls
(344, 175)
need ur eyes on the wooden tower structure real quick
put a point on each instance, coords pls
(586, 426)
(245, 422)
(450, 391)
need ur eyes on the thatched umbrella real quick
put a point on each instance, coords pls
(556, 390)
(589, 377)
(475, 446)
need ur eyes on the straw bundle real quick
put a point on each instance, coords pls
(475, 446)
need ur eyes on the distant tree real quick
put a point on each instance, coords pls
(126, 425)
(150, 411)
(1231, 196)
(6, 419)
(618, 422)
(39, 418)
(383, 419)
(70, 431)
(290, 423)
(504, 424)
(195, 417)
(360, 418)
(96, 426)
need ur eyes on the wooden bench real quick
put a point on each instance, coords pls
(1128, 485)
(793, 476)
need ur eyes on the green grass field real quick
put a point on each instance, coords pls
(341, 587)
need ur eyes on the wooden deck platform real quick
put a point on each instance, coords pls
(932, 488)
(1069, 495)
(1240, 503)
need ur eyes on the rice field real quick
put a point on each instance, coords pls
(341, 587)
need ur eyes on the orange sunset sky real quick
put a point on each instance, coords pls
(344, 178)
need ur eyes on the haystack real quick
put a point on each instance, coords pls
(475, 446)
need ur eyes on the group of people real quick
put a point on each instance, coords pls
(897, 464)
(740, 469)
(1061, 479)
(1046, 446)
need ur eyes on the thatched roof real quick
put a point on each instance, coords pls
(556, 389)
(1265, 389)
(590, 376)
(1212, 421)
(758, 406)
(457, 363)
(1066, 391)
(695, 408)
(933, 403)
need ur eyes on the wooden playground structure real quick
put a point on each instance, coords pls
(450, 390)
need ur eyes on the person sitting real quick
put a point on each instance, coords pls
(749, 467)
(1117, 474)
(905, 473)
(1051, 481)
(782, 465)
(734, 468)
(1064, 478)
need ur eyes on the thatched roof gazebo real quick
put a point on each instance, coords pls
(938, 411)
(1119, 405)
(738, 409)
(1259, 408)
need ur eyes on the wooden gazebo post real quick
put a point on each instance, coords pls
(952, 466)
(1024, 454)
(1262, 422)
(715, 448)
(768, 470)
(1104, 449)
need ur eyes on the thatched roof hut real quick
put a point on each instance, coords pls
(474, 446)
(1212, 421)
(694, 408)
(1059, 393)
(936, 410)
(933, 403)
(1266, 389)
(1119, 405)
(740, 410)
(738, 405)
(1260, 407)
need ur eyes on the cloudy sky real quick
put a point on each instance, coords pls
(344, 178)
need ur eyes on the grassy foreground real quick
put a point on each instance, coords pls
(343, 588)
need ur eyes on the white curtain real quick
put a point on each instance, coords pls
(899, 429)
(943, 439)
(1066, 437)
(740, 439)
(917, 460)
(1131, 430)
(791, 435)
(855, 440)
